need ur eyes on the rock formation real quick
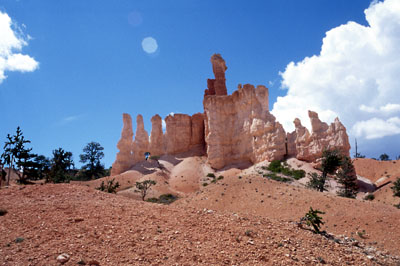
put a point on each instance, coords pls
(141, 144)
(239, 128)
(183, 133)
(217, 86)
(124, 160)
(197, 137)
(309, 147)
(156, 137)
(234, 128)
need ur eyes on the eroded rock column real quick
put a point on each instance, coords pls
(124, 160)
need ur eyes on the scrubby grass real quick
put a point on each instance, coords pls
(369, 197)
(275, 177)
(277, 166)
(109, 187)
(164, 199)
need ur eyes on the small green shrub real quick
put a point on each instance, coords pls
(211, 175)
(275, 166)
(110, 187)
(361, 234)
(205, 184)
(152, 200)
(168, 198)
(275, 177)
(278, 167)
(397, 206)
(19, 240)
(298, 174)
(396, 188)
(3, 212)
(369, 197)
(163, 199)
(312, 219)
(220, 177)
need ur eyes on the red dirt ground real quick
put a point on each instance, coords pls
(107, 229)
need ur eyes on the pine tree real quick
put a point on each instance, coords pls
(347, 178)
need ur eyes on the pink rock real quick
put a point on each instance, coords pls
(239, 128)
(235, 128)
(309, 147)
(156, 137)
(217, 86)
(141, 144)
(124, 160)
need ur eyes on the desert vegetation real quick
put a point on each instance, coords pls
(18, 157)
(312, 219)
(110, 186)
(144, 187)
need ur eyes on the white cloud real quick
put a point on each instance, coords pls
(11, 42)
(164, 125)
(383, 110)
(69, 119)
(376, 128)
(356, 77)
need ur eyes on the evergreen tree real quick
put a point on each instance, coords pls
(347, 178)
(61, 163)
(17, 156)
(384, 157)
(93, 153)
(330, 161)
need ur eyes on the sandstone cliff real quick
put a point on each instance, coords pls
(235, 128)
(183, 133)
(239, 128)
(125, 159)
(309, 147)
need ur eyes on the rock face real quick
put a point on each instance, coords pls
(309, 147)
(125, 159)
(235, 128)
(217, 86)
(239, 128)
(141, 144)
(183, 133)
(156, 137)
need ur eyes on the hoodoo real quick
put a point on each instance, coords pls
(235, 128)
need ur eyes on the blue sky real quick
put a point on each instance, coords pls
(91, 66)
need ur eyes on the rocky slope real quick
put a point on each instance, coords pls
(95, 228)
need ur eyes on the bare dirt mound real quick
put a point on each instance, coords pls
(44, 221)
(185, 177)
(378, 172)
(382, 174)
(255, 195)
(126, 180)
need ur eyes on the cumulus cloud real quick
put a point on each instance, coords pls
(377, 128)
(12, 41)
(355, 76)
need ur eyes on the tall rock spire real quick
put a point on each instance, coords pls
(217, 86)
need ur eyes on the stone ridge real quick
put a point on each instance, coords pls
(183, 133)
(235, 128)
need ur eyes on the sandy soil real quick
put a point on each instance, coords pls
(239, 219)
(96, 228)
(383, 174)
